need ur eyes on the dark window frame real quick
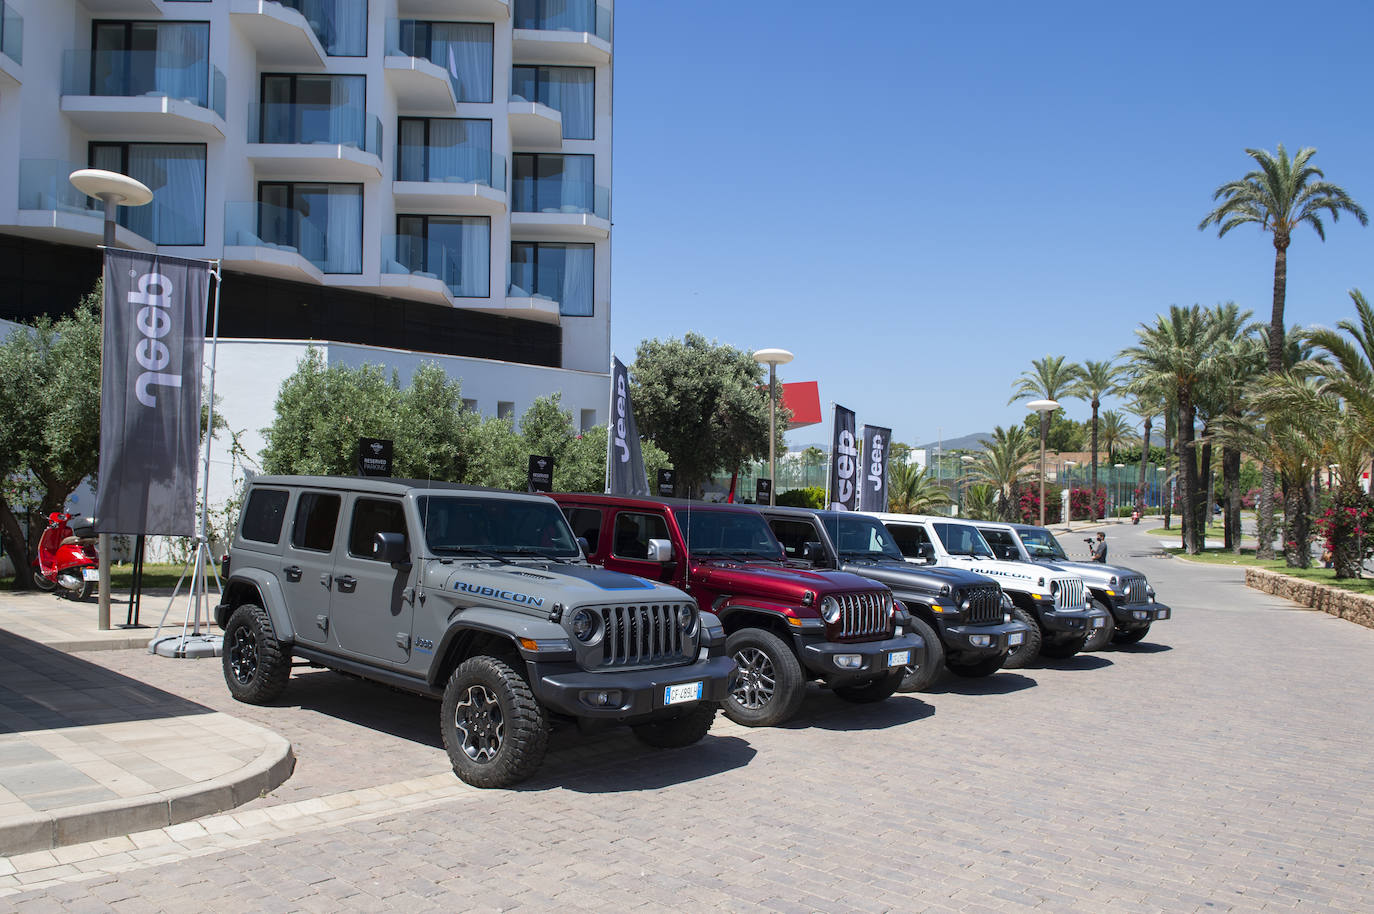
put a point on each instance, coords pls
(129, 24)
(534, 158)
(595, 538)
(363, 501)
(294, 82)
(362, 214)
(402, 120)
(124, 169)
(428, 25)
(425, 218)
(538, 82)
(630, 514)
(311, 499)
(247, 524)
(537, 245)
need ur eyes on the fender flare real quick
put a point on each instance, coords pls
(502, 623)
(269, 588)
(727, 606)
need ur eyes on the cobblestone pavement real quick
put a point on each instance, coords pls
(1223, 764)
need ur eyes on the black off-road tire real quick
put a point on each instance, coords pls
(769, 686)
(1130, 637)
(687, 728)
(1101, 637)
(256, 665)
(920, 677)
(1028, 651)
(879, 689)
(976, 669)
(505, 732)
(1062, 648)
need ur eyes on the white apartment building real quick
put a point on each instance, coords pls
(394, 180)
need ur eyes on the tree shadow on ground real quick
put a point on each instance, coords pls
(1001, 683)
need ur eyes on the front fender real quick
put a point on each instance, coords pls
(269, 588)
(509, 626)
(792, 616)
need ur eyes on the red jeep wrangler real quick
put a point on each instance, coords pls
(785, 625)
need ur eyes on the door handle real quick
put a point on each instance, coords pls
(347, 583)
(293, 573)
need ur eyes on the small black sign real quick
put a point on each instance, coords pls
(762, 489)
(541, 474)
(666, 480)
(374, 457)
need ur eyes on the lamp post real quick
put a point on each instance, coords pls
(113, 190)
(1068, 509)
(965, 459)
(772, 358)
(1120, 490)
(1044, 408)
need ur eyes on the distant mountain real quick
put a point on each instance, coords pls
(972, 442)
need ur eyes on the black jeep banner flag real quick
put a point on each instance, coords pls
(153, 344)
(624, 463)
(844, 462)
(873, 475)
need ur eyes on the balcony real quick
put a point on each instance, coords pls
(482, 10)
(434, 180)
(11, 46)
(281, 34)
(520, 303)
(49, 207)
(314, 142)
(286, 243)
(562, 32)
(138, 94)
(550, 209)
(534, 125)
(130, 8)
(421, 86)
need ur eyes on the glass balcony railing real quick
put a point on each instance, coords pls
(564, 16)
(11, 33)
(334, 125)
(293, 231)
(130, 74)
(43, 185)
(463, 50)
(450, 164)
(552, 195)
(340, 25)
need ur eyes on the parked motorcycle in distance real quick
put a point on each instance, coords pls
(67, 558)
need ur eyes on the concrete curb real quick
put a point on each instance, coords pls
(1343, 604)
(136, 639)
(111, 818)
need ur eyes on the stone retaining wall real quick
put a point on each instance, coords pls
(1358, 608)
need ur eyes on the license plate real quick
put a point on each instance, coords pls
(1015, 638)
(1099, 622)
(1161, 614)
(90, 574)
(677, 694)
(899, 658)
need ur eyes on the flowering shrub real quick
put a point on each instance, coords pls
(1347, 527)
(1081, 504)
(1250, 499)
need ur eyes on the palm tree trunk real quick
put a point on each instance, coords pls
(1265, 507)
(1096, 404)
(1144, 463)
(1210, 482)
(1166, 497)
(1297, 551)
(1230, 476)
(1187, 470)
(1203, 506)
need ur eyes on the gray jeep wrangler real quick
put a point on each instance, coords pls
(476, 597)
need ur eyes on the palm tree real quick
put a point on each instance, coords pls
(980, 502)
(1349, 373)
(1175, 354)
(1116, 431)
(1221, 397)
(1001, 464)
(1278, 196)
(1145, 404)
(1096, 380)
(1048, 379)
(913, 490)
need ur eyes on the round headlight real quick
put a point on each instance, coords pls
(830, 610)
(585, 625)
(687, 620)
(1113, 581)
(1006, 602)
(1054, 587)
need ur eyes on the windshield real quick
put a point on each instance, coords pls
(861, 538)
(963, 539)
(738, 534)
(1041, 544)
(456, 525)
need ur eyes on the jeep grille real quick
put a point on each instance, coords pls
(1069, 594)
(863, 614)
(1133, 589)
(642, 635)
(984, 604)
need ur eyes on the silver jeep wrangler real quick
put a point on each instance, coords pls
(477, 597)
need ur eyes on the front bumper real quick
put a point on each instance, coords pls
(1066, 621)
(822, 658)
(1139, 615)
(627, 695)
(959, 638)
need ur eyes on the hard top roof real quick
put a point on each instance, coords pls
(384, 484)
(602, 499)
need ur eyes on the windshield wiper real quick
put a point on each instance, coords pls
(864, 556)
(541, 551)
(473, 550)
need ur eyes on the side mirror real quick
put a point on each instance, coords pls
(814, 552)
(586, 546)
(660, 551)
(926, 552)
(391, 548)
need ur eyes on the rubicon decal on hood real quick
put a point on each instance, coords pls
(509, 596)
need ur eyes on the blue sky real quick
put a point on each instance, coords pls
(918, 198)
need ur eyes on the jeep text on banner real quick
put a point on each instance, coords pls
(154, 341)
(844, 462)
(873, 478)
(624, 463)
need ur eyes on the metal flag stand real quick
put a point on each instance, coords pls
(192, 642)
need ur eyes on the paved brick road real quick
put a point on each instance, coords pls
(1224, 764)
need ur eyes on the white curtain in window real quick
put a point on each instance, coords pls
(344, 230)
(475, 259)
(347, 27)
(348, 112)
(181, 64)
(464, 49)
(577, 193)
(176, 176)
(570, 91)
(576, 300)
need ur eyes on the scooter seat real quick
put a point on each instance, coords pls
(70, 541)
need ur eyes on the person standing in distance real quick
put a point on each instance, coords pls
(1100, 548)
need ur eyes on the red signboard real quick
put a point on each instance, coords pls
(803, 398)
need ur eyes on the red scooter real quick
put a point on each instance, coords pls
(67, 558)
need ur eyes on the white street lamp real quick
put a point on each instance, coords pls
(1120, 489)
(1044, 408)
(1068, 509)
(114, 190)
(772, 358)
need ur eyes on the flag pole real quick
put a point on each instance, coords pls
(610, 411)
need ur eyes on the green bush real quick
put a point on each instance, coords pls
(809, 497)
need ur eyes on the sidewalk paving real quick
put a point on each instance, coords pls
(86, 753)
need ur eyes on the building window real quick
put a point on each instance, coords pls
(444, 149)
(152, 58)
(312, 109)
(505, 409)
(562, 272)
(470, 405)
(455, 249)
(568, 90)
(463, 49)
(563, 16)
(323, 222)
(554, 184)
(340, 25)
(587, 421)
(175, 173)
